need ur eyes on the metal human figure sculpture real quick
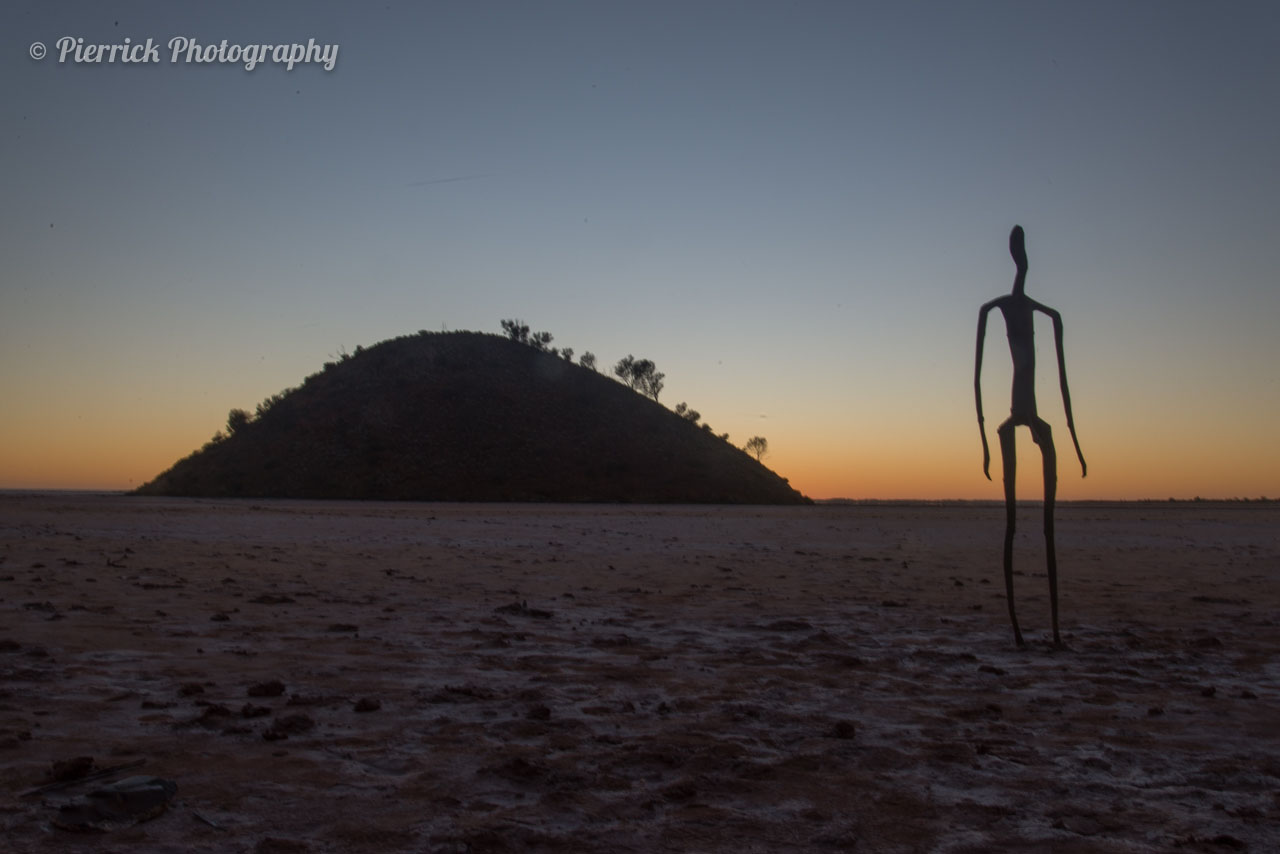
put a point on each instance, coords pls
(1019, 316)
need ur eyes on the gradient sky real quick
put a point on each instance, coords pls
(794, 209)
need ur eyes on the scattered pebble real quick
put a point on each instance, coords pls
(276, 845)
(271, 599)
(289, 725)
(522, 609)
(70, 769)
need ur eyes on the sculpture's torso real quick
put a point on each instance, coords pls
(1019, 321)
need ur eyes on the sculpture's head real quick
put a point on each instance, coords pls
(1018, 248)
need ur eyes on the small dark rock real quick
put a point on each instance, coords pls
(519, 768)
(117, 805)
(70, 769)
(1227, 841)
(273, 688)
(249, 710)
(271, 599)
(522, 609)
(844, 730)
(367, 704)
(276, 845)
(681, 791)
(1082, 825)
(213, 716)
(614, 641)
(788, 626)
(289, 725)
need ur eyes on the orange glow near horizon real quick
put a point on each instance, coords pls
(61, 461)
(116, 460)
(58, 446)
(1123, 468)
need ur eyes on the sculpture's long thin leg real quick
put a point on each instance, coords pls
(1009, 453)
(1044, 438)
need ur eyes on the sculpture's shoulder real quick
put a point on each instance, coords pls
(1044, 309)
(999, 302)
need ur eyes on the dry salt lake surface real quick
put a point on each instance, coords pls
(334, 677)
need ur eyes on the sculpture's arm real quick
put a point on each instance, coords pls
(1062, 380)
(977, 387)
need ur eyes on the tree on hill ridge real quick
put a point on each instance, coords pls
(641, 375)
(690, 415)
(516, 330)
(236, 419)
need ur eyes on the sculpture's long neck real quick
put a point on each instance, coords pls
(1018, 251)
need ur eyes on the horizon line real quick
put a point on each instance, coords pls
(1262, 499)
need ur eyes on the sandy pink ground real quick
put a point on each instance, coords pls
(683, 679)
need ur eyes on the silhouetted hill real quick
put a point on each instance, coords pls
(466, 416)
